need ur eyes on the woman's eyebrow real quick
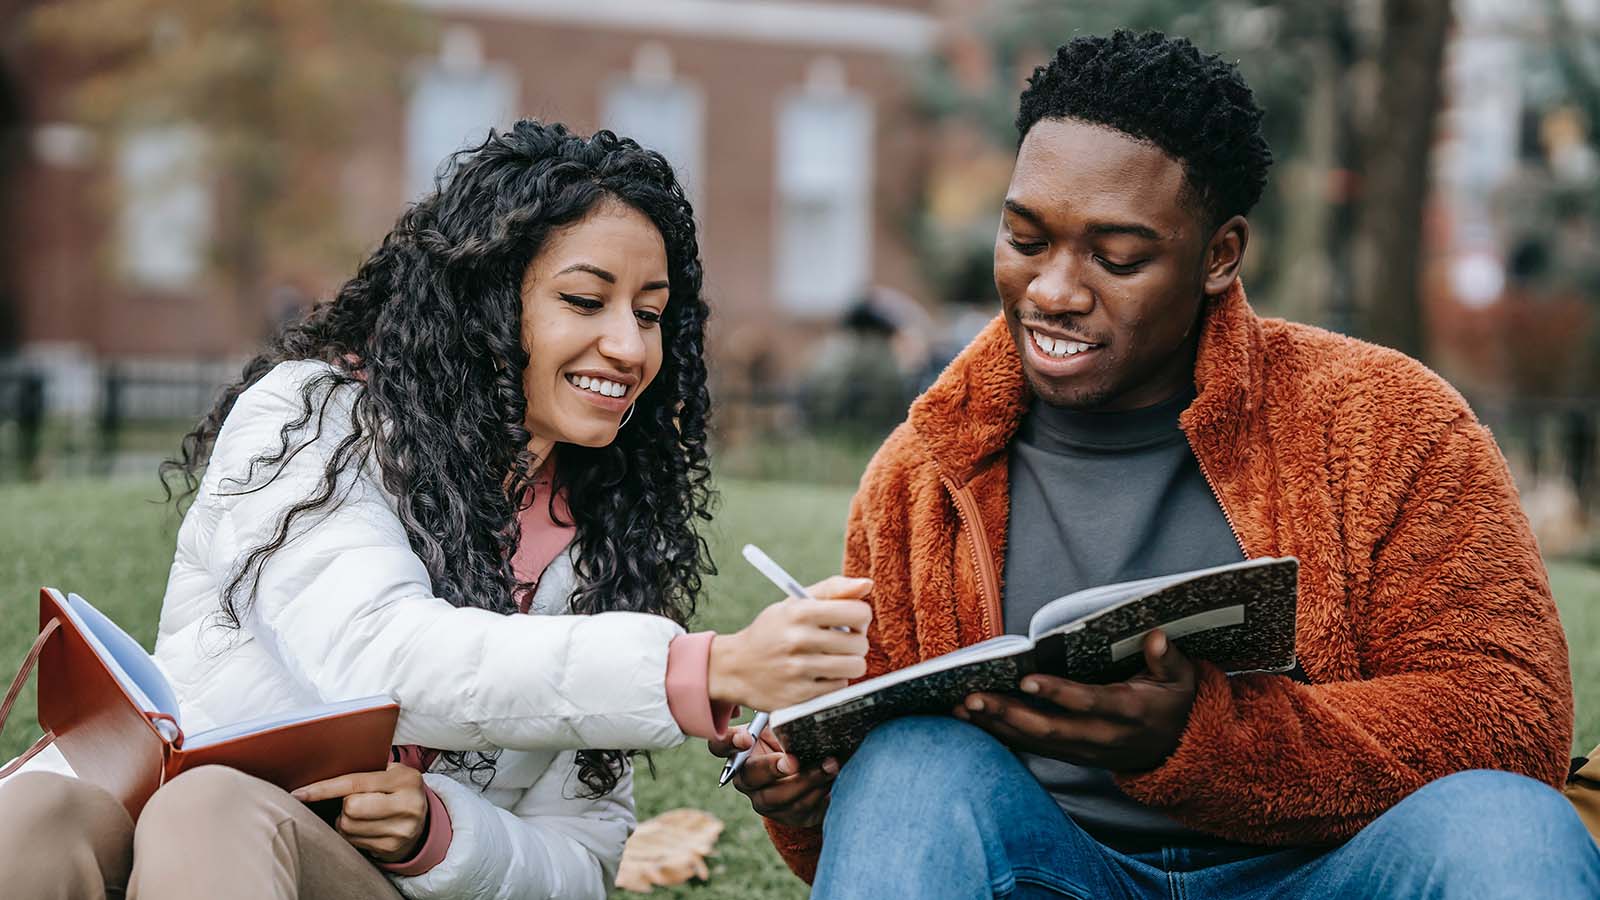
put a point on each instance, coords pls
(596, 271)
(609, 278)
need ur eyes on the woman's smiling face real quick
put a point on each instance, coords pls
(592, 302)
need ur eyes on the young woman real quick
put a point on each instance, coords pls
(470, 482)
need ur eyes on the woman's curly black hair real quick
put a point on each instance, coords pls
(429, 333)
(1196, 107)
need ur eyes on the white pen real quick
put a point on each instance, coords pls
(788, 585)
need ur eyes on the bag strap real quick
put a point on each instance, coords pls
(28, 662)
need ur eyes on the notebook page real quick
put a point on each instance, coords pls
(1092, 600)
(1086, 602)
(134, 668)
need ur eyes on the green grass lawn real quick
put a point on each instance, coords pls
(108, 542)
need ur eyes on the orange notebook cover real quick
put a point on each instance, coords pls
(115, 718)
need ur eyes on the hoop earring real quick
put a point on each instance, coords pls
(626, 416)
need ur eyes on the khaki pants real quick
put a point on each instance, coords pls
(209, 833)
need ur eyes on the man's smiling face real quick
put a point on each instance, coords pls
(1100, 263)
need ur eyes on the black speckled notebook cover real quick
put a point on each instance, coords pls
(1082, 651)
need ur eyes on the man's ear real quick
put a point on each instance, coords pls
(1225, 254)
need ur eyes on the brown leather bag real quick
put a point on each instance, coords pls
(113, 742)
(1583, 789)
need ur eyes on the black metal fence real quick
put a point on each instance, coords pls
(136, 414)
(140, 410)
(22, 409)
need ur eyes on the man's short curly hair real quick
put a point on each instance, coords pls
(1196, 107)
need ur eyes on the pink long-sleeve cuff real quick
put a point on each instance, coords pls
(435, 841)
(688, 687)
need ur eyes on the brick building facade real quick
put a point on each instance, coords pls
(792, 123)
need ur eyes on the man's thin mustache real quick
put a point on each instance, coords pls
(1066, 326)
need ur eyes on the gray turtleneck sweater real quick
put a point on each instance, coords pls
(1098, 498)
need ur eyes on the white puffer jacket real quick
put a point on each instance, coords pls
(345, 610)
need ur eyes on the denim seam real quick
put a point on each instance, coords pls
(1168, 862)
(1047, 880)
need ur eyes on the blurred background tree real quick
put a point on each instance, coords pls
(1349, 88)
(1568, 186)
(260, 95)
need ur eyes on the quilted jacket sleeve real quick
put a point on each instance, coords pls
(554, 842)
(347, 607)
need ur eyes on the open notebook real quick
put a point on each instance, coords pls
(1239, 616)
(118, 722)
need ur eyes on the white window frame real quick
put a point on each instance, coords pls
(167, 206)
(429, 142)
(686, 151)
(804, 285)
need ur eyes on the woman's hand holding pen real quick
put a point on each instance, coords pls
(777, 787)
(793, 651)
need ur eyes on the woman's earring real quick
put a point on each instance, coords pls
(626, 416)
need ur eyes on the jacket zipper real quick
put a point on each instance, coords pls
(1216, 494)
(967, 512)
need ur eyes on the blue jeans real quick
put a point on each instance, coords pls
(935, 807)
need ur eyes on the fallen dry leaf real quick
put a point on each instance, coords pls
(668, 849)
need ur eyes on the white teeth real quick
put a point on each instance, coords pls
(1058, 348)
(598, 385)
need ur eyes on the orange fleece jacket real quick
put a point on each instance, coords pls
(1426, 625)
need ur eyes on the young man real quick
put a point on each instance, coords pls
(1128, 415)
